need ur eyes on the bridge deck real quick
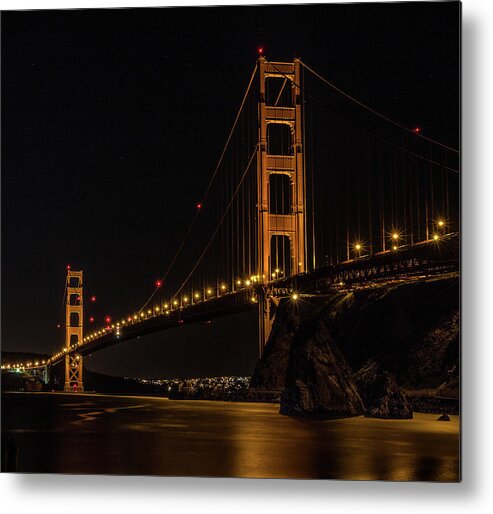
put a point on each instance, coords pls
(429, 258)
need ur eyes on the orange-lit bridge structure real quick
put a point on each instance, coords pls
(289, 213)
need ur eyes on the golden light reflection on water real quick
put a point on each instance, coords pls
(155, 436)
(352, 449)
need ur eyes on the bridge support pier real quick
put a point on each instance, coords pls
(267, 307)
(73, 373)
(73, 333)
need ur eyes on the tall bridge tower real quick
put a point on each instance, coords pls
(280, 181)
(73, 331)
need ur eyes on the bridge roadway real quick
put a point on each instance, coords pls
(423, 259)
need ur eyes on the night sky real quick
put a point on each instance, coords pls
(113, 121)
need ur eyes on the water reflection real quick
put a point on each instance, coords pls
(125, 435)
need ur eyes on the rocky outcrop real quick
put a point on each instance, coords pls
(410, 329)
(318, 381)
(269, 377)
(380, 393)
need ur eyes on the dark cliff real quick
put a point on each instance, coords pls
(407, 334)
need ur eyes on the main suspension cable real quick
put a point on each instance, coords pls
(379, 114)
(366, 129)
(220, 222)
(204, 196)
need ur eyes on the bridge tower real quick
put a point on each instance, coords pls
(73, 331)
(280, 182)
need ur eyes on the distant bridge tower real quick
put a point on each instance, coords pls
(281, 181)
(73, 332)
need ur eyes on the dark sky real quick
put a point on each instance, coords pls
(113, 121)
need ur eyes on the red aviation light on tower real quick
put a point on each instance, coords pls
(107, 319)
(91, 319)
(199, 206)
(93, 298)
(416, 130)
(158, 283)
(68, 267)
(260, 50)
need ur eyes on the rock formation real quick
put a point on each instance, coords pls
(411, 330)
(381, 394)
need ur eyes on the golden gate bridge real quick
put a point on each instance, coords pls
(313, 191)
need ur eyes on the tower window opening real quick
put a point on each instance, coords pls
(279, 194)
(278, 92)
(279, 139)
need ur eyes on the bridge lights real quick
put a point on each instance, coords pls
(196, 296)
(209, 291)
(248, 282)
(441, 224)
(175, 302)
(395, 236)
(185, 300)
(142, 314)
(238, 282)
(358, 248)
(223, 287)
(294, 296)
(394, 247)
(436, 237)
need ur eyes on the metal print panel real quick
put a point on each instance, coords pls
(231, 241)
